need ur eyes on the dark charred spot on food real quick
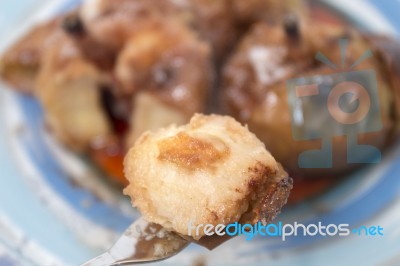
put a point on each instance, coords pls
(271, 188)
(286, 183)
(192, 153)
(291, 26)
(274, 198)
(73, 25)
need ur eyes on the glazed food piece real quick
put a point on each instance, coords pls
(156, 54)
(255, 88)
(67, 87)
(210, 171)
(171, 66)
(234, 18)
(99, 18)
(159, 56)
(169, 60)
(97, 96)
(20, 64)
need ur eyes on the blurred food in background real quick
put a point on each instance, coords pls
(111, 70)
(255, 80)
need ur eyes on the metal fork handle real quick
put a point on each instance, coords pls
(106, 259)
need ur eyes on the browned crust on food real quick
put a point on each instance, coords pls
(206, 175)
(267, 198)
(190, 152)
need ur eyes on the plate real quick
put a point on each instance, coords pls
(57, 210)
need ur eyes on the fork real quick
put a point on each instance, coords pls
(142, 242)
(145, 242)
